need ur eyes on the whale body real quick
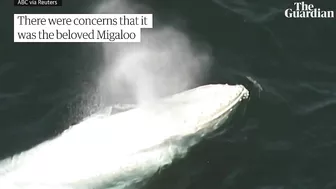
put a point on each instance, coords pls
(120, 150)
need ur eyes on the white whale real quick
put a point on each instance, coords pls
(120, 150)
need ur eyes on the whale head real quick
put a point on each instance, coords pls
(202, 109)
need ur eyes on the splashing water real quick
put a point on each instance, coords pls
(165, 62)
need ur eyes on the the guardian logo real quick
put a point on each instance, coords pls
(303, 10)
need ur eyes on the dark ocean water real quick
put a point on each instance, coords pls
(285, 140)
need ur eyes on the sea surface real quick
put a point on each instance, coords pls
(285, 140)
